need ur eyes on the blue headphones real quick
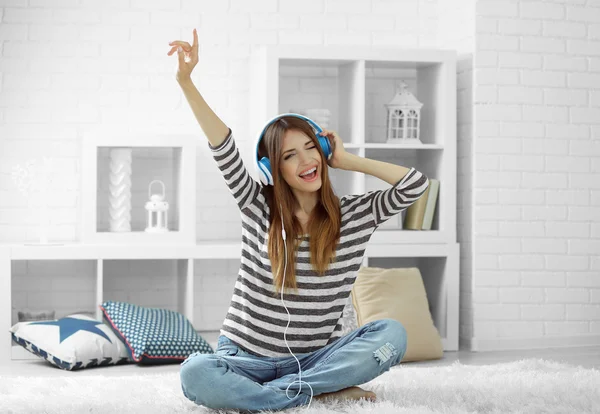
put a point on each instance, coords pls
(263, 166)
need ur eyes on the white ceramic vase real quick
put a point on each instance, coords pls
(119, 198)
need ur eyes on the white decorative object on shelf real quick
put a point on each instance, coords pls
(403, 117)
(34, 181)
(157, 209)
(119, 190)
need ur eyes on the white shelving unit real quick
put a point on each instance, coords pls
(438, 257)
(355, 83)
(352, 82)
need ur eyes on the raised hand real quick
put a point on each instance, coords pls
(187, 55)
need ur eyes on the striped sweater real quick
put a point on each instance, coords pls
(256, 319)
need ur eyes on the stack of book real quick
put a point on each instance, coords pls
(419, 215)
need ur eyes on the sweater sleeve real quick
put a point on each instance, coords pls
(244, 188)
(384, 204)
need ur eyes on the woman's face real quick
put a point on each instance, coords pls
(299, 156)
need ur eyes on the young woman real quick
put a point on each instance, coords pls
(295, 233)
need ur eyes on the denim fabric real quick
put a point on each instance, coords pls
(235, 379)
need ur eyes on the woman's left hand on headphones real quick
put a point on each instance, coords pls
(337, 148)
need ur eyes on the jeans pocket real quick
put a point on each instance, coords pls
(228, 350)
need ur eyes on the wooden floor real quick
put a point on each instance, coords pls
(587, 357)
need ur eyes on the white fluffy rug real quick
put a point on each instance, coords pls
(525, 386)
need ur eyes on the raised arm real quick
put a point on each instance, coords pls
(408, 185)
(212, 126)
(384, 204)
(244, 188)
(214, 129)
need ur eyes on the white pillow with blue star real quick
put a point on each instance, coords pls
(74, 342)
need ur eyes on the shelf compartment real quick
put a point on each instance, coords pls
(284, 84)
(427, 81)
(63, 286)
(161, 283)
(429, 163)
(148, 164)
(39, 285)
(173, 162)
(336, 85)
(439, 275)
(213, 289)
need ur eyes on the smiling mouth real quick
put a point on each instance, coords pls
(311, 176)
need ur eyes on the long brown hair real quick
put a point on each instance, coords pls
(324, 221)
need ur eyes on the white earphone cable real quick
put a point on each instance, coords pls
(289, 319)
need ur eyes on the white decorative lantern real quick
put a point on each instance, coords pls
(404, 116)
(157, 211)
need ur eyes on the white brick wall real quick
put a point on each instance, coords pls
(536, 272)
(70, 67)
(528, 99)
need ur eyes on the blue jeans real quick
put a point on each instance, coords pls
(235, 379)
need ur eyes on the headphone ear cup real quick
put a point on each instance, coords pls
(265, 175)
(326, 146)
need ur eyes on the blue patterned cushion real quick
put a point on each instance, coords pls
(74, 342)
(153, 335)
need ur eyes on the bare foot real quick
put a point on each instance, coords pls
(351, 393)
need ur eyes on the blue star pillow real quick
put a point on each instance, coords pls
(73, 342)
(154, 335)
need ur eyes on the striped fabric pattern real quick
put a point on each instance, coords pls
(256, 319)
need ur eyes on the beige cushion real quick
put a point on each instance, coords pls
(398, 294)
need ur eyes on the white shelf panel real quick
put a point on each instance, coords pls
(217, 250)
(117, 139)
(401, 237)
(412, 58)
(393, 146)
(408, 250)
(377, 247)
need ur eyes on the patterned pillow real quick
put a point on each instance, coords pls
(152, 335)
(74, 342)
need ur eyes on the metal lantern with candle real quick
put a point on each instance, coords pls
(404, 116)
(157, 209)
